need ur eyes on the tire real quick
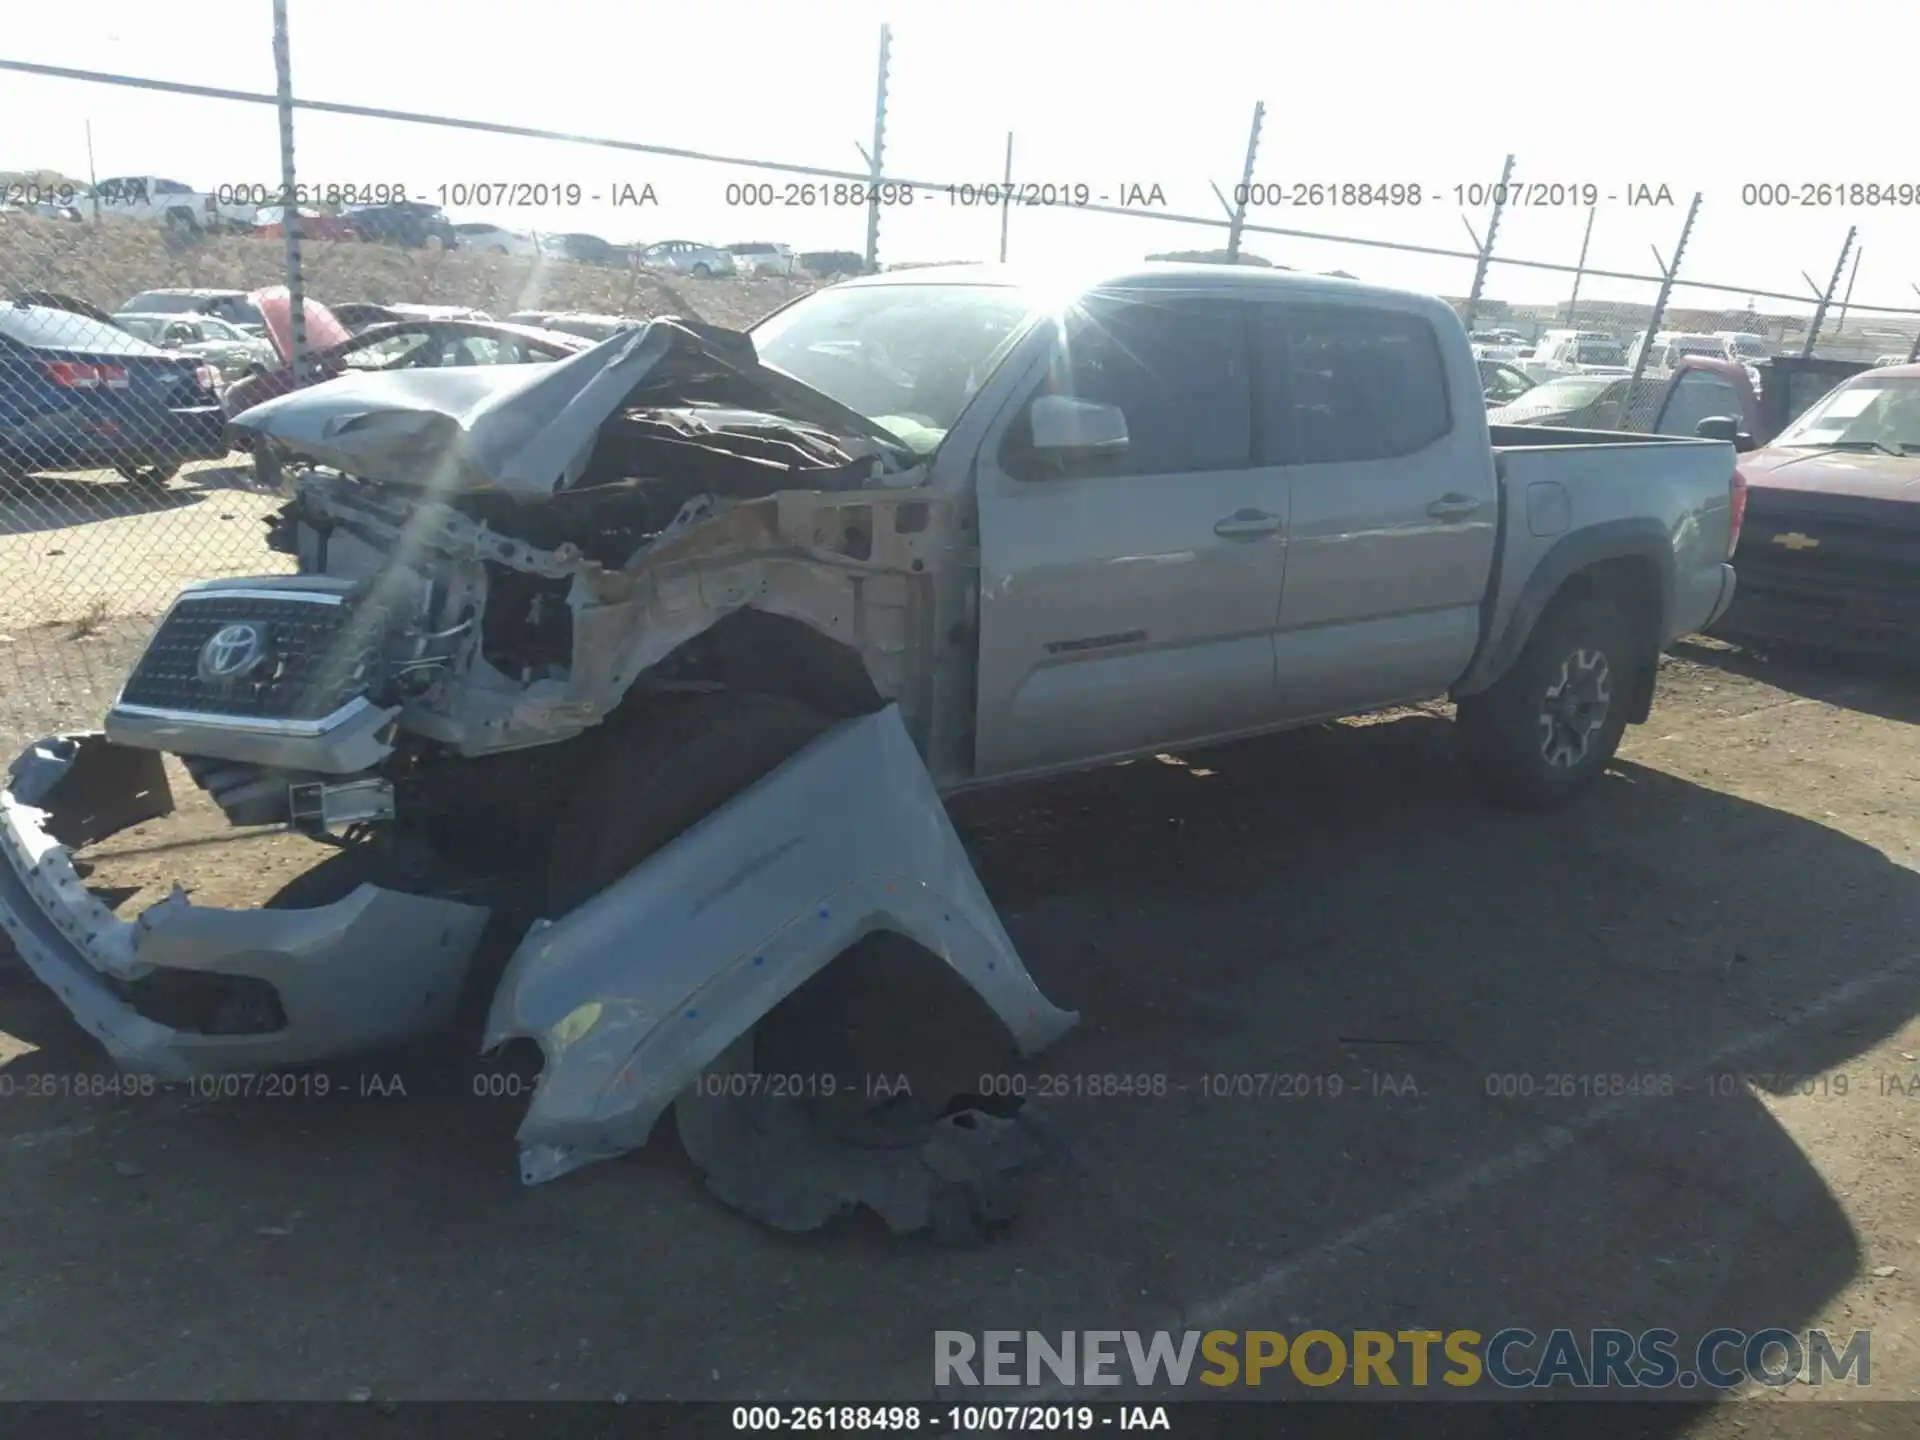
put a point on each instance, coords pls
(792, 1162)
(692, 758)
(703, 271)
(1542, 735)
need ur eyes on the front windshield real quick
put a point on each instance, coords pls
(139, 325)
(1871, 414)
(1566, 394)
(908, 357)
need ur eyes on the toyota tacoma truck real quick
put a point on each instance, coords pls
(706, 624)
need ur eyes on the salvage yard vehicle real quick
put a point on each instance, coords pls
(705, 624)
(1830, 560)
(81, 394)
(411, 345)
(226, 347)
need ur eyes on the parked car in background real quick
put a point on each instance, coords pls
(763, 258)
(589, 327)
(1572, 356)
(1670, 345)
(831, 264)
(59, 300)
(1830, 558)
(586, 249)
(410, 224)
(229, 349)
(1746, 346)
(1894, 358)
(493, 240)
(79, 394)
(410, 345)
(1699, 388)
(237, 307)
(1502, 383)
(269, 223)
(688, 257)
(170, 202)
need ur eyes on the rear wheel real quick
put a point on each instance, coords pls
(1541, 736)
(703, 271)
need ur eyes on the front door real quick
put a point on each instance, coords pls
(1129, 602)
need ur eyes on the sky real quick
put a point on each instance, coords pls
(1621, 95)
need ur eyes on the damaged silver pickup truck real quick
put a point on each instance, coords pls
(698, 627)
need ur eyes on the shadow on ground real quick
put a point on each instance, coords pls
(1450, 1019)
(1873, 687)
(58, 502)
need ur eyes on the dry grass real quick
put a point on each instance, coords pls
(108, 263)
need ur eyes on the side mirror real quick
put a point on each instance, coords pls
(1727, 428)
(1065, 427)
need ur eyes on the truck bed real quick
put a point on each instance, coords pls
(1569, 498)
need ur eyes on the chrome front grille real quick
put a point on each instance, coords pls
(315, 654)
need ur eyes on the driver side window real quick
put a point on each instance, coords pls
(1177, 369)
(387, 351)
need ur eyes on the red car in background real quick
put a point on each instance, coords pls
(410, 344)
(270, 224)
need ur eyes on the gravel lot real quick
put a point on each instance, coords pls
(1734, 907)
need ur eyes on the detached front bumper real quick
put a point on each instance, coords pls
(284, 987)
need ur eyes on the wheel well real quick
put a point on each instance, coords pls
(769, 654)
(1635, 584)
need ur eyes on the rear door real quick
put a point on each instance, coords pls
(1394, 506)
(1129, 603)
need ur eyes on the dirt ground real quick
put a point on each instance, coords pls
(1734, 912)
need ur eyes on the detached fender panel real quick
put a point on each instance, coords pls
(1610, 540)
(635, 993)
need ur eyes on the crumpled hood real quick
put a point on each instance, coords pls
(523, 430)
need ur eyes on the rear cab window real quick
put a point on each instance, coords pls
(1349, 383)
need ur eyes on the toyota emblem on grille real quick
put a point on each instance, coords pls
(234, 651)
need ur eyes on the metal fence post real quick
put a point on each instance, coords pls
(1006, 199)
(1826, 298)
(1485, 249)
(1246, 180)
(876, 161)
(289, 206)
(1668, 269)
(1847, 299)
(1913, 351)
(1580, 266)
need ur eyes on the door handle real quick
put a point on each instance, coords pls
(1248, 524)
(1454, 507)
